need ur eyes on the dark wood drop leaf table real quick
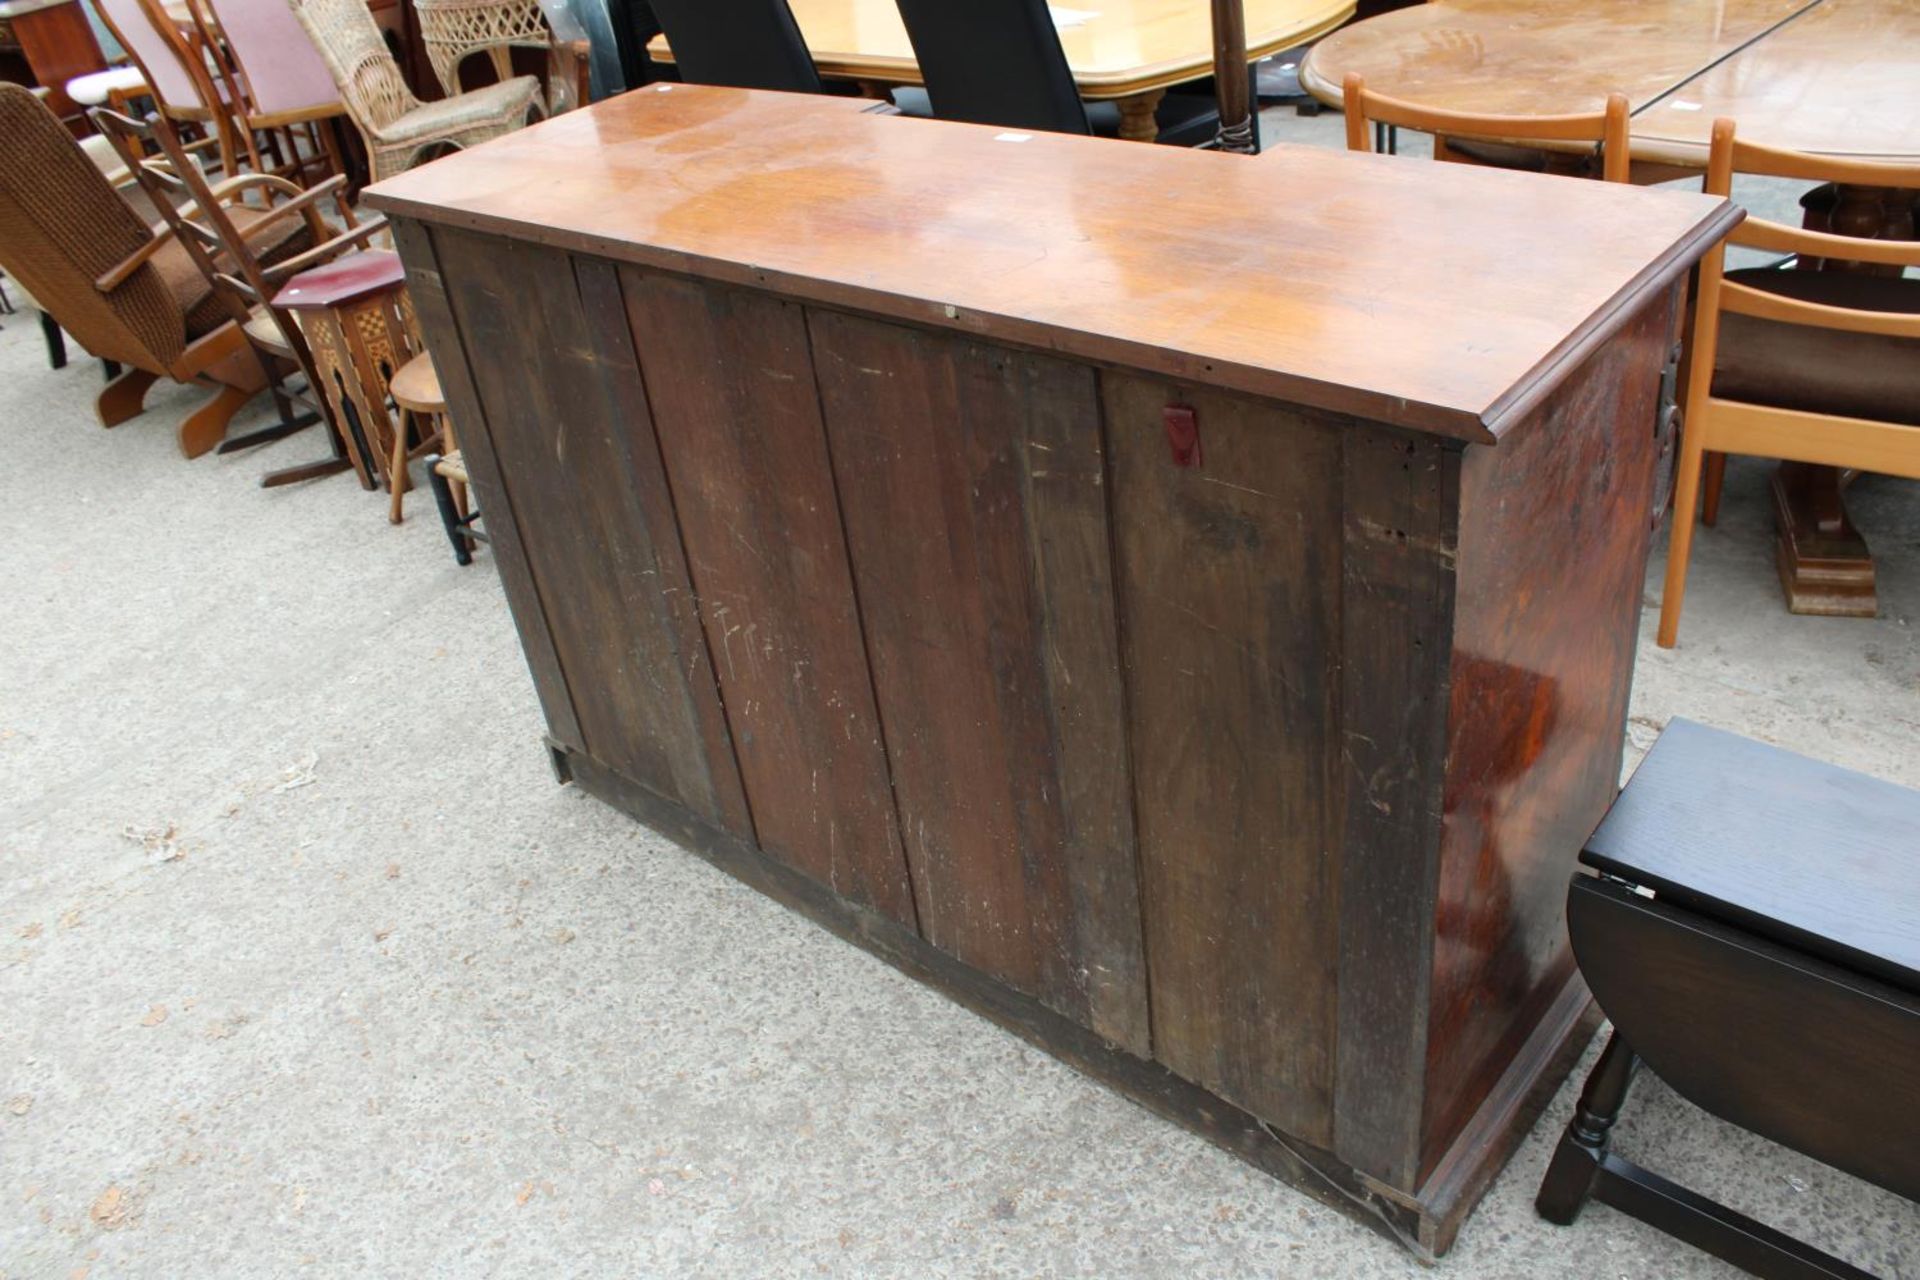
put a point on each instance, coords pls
(1754, 934)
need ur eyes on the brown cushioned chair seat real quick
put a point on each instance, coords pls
(184, 282)
(1793, 366)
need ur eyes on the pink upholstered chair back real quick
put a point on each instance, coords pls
(166, 75)
(284, 72)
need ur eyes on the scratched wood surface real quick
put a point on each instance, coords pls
(1269, 770)
(564, 452)
(1541, 668)
(1434, 297)
(730, 382)
(1230, 587)
(971, 482)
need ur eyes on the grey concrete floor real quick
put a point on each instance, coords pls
(308, 968)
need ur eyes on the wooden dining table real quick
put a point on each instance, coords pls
(1129, 52)
(1836, 77)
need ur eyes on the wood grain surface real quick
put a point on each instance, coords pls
(1806, 853)
(730, 382)
(1831, 76)
(1428, 296)
(972, 487)
(1119, 47)
(1230, 605)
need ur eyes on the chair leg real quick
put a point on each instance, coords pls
(124, 397)
(1716, 475)
(397, 469)
(1686, 499)
(206, 427)
(110, 369)
(56, 341)
(449, 513)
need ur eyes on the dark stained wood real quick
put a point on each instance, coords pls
(1230, 588)
(730, 382)
(564, 451)
(638, 450)
(1710, 818)
(1463, 293)
(1396, 615)
(59, 46)
(1310, 1171)
(972, 483)
(1759, 1034)
(447, 344)
(1256, 737)
(1551, 564)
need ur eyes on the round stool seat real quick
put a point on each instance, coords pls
(416, 386)
(95, 88)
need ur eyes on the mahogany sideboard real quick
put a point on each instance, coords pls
(1181, 605)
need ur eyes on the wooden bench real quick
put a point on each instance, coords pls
(1754, 936)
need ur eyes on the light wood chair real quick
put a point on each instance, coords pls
(1807, 366)
(398, 129)
(1606, 128)
(178, 76)
(276, 81)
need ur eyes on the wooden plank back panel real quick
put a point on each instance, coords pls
(561, 446)
(674, 605)
(1230, 605)
(1552, 553)
(730, 384)
(1396, 617)
(446, 343)
(972, 480)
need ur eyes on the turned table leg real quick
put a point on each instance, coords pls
(1583, 1147)
(1137, 123)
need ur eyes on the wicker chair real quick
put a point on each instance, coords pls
(124, 293)
(454, 30)
(398, 128)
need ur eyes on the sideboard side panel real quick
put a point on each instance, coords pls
(730, 383)
(1229, 582)
(972, 483)
(1554, 527)
(559, 442)
(507, 549)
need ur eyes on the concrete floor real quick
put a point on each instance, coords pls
(308, 968)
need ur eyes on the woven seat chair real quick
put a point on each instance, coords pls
(397, 127)
(454, 30)
(126, 294)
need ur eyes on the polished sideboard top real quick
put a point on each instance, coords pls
(1442, 298)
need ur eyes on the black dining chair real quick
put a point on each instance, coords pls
(745, 44)
(999, 62)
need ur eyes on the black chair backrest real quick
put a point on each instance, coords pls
(747, 44)
(995, 62)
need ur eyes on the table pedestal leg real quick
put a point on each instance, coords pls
(1825, 567)
(1137, 123)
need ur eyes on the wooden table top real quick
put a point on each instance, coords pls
(1835, 76)
(1445, 298)
(1794, 849)
(1122, 47)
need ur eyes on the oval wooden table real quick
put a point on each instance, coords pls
(1127, 51)
(1837, 77)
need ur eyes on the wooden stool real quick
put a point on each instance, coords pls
(1754, 935)
(416, 389)
(358, 322)
(423, 410)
